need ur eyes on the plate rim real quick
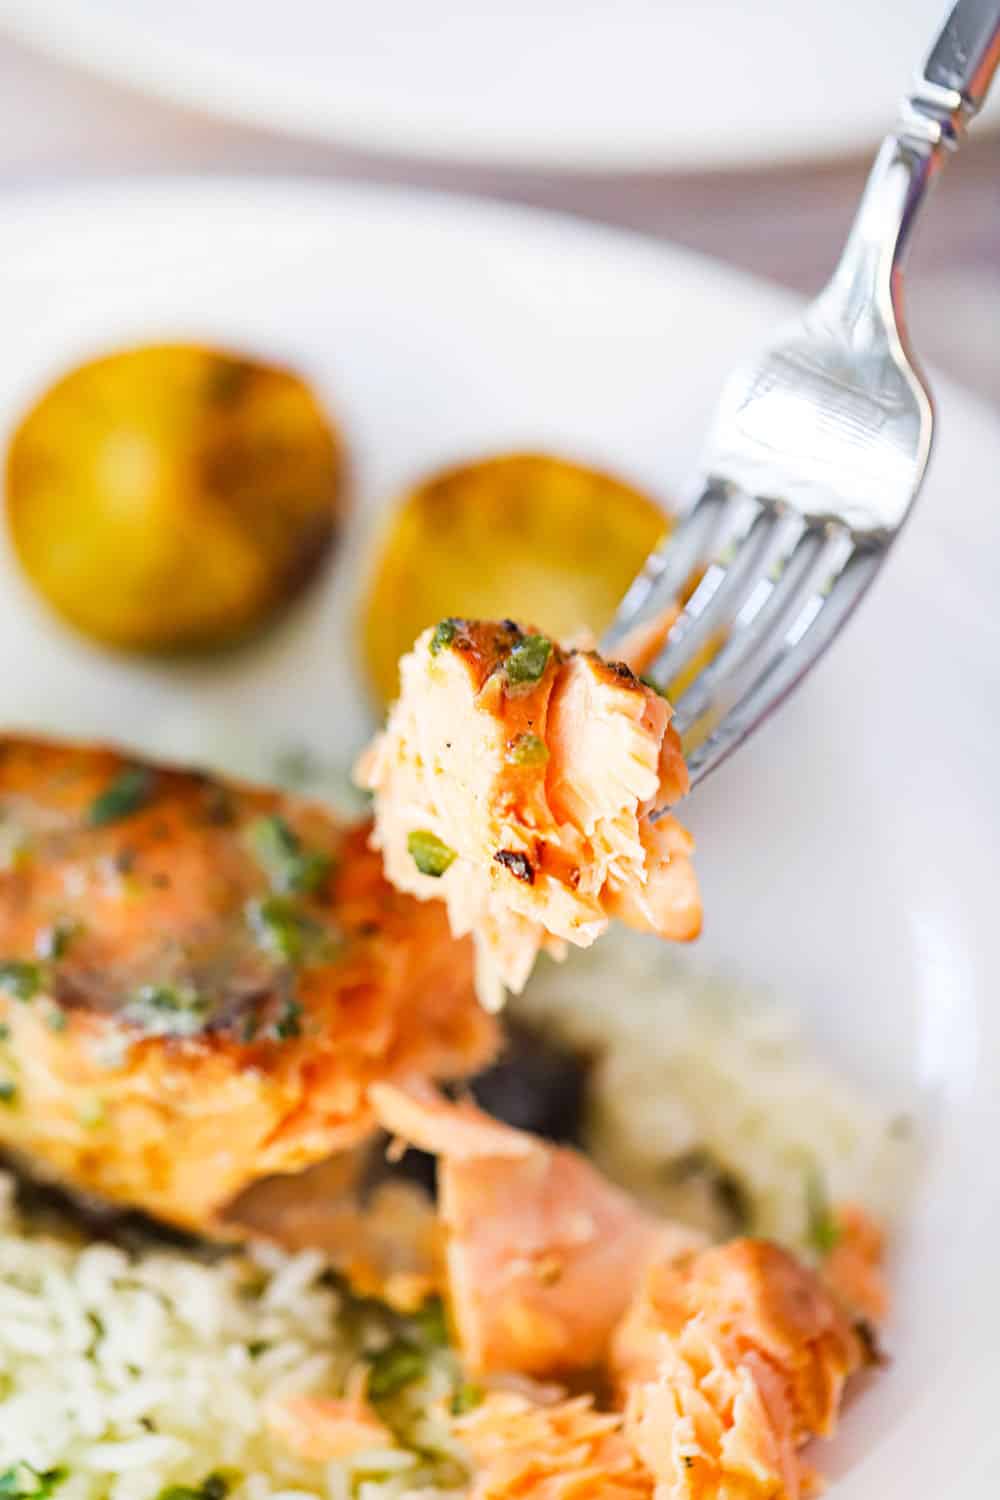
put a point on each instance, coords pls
(174, 74)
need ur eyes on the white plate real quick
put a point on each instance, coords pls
(848, 854)
(598, 84)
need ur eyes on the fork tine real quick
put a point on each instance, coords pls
(729, 583)
(809, 630)
(673, 569)
(762, 612)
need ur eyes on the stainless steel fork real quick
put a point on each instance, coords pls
(816, 453)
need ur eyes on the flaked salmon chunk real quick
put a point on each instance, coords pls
(200, 979)
(730, 1361)
(566, 1451)
(543, 1253)
(515, 782)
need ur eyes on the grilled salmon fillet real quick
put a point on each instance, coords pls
(199, 980)
(515, 782)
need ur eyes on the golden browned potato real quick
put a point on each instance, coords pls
(172, 497)
(525, 535)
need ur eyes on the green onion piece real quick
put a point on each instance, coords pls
(127, 794)
(466, 1398)
(527, 660)
(22, 980)
(167, 1010)
(823, 1231)
(527, 750)
(444, 633)
(289, 867)
(395, 1367)
(429, 854)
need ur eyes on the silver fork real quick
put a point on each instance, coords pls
(817, 450)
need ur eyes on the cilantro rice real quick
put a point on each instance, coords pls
(147, 1375)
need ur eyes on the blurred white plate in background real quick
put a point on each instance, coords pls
(848, 853)
(580, 84)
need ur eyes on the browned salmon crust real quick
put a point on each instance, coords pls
(199, 980)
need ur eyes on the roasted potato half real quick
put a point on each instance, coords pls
(525, 535)
(172, 497)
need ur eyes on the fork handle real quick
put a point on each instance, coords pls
(956, 77)
(948, 91)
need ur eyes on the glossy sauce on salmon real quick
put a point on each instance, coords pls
(198, 980)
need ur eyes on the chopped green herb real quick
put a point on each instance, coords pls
(289, 867)
(466, 1398)
(527, 660)
(429, 854)
(214, 1486)
(23, 1482)
(23, 980)
(822, 1230)
(432, 1324)
(4, 1032)
(654, 687)
(52, 942)
(56, 1018)
(281, 928)
(289, 1023)
(8, 1094)
(257, 1347)
(444, 633)
(167, 1010)
(527, 750)
(394, 1367)
(127, 794)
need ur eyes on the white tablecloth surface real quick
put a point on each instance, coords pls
(57, 124)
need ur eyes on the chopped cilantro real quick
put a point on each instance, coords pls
(281, 928)
(466, 1398)
(527, 660)
(432, 1325)
(444, 633)
(52, 942)
(393, 1368)
(167, 1010)
(128, 793)
(289, 866)
(23, 1482)
(822, 1230)
(289, 1023)
(214, 1486)
(429, 854)
(527, 750)
(23, 980)
(8, 1096)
